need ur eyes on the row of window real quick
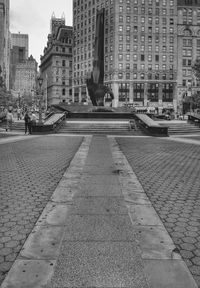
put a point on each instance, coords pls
(135, 57)
(149, 48)
(156, 12)
(136, 19)
(151, 2)
(149, 76)
(151, 30)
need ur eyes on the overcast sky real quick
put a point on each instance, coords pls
(32, 17)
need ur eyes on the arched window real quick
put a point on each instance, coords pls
(187, 32)
(63, 91)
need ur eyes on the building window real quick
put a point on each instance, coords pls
(120, 66)
(120, 75)
(120, 29)
(120, 57)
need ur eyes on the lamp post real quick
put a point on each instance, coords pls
(19, 100)
(40, 81)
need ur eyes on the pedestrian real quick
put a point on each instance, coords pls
(33, 119)
(27, 120)
(30, 123)
(18, 114)
(9, 119)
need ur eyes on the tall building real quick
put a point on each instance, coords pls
(4, 40)
(21, 41)
(189, 47)
(18, 54)
(56, 63)
(140, 50)
(25, 79)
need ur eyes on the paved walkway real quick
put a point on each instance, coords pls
(99, 230)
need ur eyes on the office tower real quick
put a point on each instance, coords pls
(188, 48)
(25, 80)
(18, 54)
(4, 40)
(140, 48)
(21, 42)
(56, 63)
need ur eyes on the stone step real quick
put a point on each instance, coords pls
(181, 128)
(96, 127)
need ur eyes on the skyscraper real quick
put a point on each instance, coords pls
(18, 53)
(140, 49)
(4, 40)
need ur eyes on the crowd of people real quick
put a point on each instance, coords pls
(29, 117)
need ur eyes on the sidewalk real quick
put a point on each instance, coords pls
(99, 230)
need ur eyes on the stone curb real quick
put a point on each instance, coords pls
(35, 264)
(163, 265)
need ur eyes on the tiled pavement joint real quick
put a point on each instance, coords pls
(35, 264)
(163, 266)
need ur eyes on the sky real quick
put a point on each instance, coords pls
(32, 17)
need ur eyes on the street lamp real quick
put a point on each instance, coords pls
(40, 81)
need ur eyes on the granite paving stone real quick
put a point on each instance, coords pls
(169, 173)
(30, 171)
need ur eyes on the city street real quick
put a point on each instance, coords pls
(167, 169)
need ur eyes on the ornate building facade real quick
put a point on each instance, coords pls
(4, 40)
(56, 63)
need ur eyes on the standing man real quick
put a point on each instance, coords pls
(18, 114)
(9, 118)
(27, 120)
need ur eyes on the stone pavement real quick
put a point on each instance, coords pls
(99, 228)
(169, 171)
(30, 169)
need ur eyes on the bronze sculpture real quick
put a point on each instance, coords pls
(96, 89)
(97, 92)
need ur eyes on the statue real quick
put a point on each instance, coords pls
(95, 86)
(97, 92)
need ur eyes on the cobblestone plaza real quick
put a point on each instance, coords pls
(169, 173)
(167, 170)
(29, 173)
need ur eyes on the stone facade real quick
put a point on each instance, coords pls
(4, 40)
(56, 63)
(18, 54)
(140, 50)
(189, 48)
(25, 80)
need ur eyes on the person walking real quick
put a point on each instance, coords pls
(18, 114)
(30, 123)
(33, 119)
(9, 119)
(27, 120)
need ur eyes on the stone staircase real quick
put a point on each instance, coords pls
(176, 127)
(17, 125)
(93, 126)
